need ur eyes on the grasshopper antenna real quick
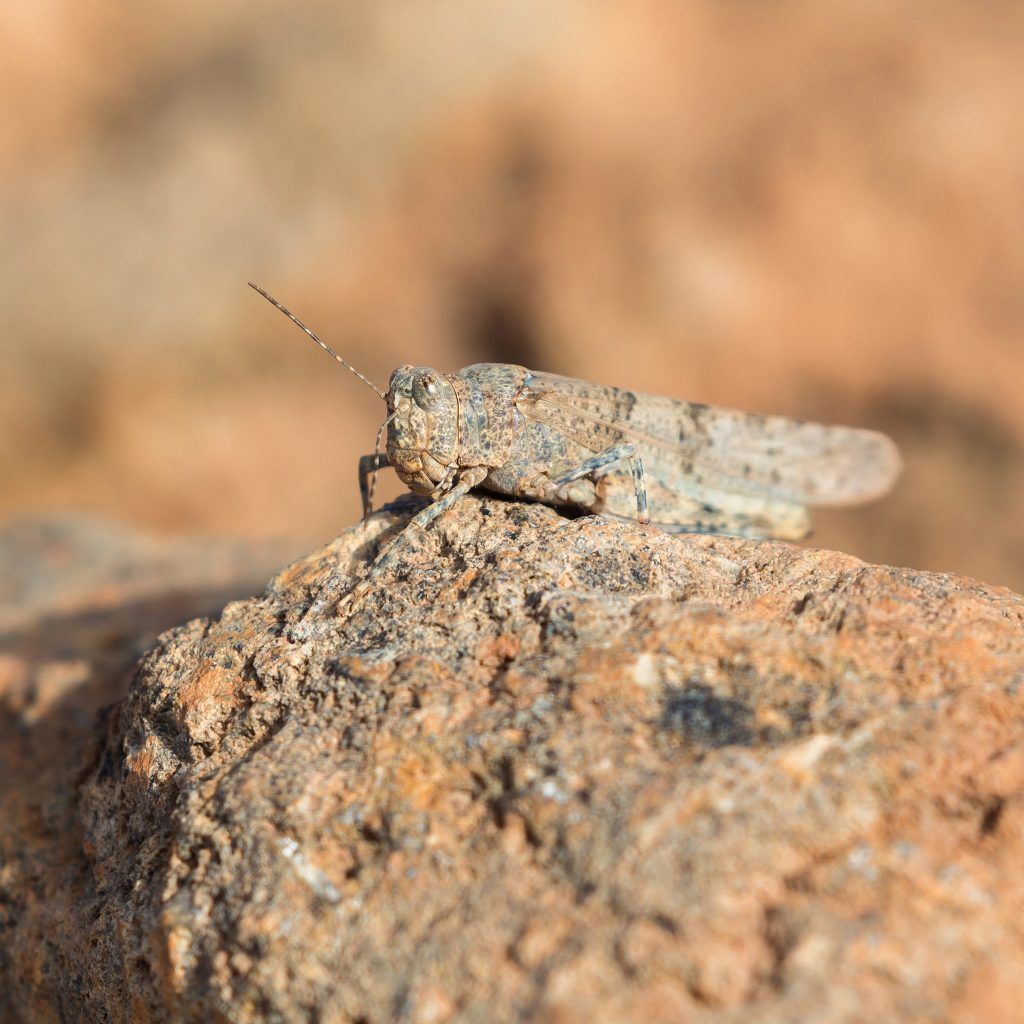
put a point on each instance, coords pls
(327, 348)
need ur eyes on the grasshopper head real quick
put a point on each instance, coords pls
(424, 427)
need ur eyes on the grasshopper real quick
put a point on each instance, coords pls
(683, 466)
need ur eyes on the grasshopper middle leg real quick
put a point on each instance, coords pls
(617, 453)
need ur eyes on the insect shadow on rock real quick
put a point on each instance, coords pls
(686, 467)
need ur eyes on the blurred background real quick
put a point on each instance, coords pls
(811, 207)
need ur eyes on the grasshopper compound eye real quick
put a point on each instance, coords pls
(426, 391)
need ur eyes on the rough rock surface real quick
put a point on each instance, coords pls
(560, 770)
(80, 601)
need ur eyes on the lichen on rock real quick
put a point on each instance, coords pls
(567, 769)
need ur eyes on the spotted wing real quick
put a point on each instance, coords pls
(723, 450)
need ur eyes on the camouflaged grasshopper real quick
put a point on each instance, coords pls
(686, 467)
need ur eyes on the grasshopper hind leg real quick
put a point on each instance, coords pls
(617, 453)
(789, 522)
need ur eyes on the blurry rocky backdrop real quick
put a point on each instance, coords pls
(804, 207)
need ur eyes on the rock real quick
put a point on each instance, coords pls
(80, 601)
(554, 769)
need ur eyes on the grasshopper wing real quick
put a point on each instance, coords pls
(724, 449)
(716, 470)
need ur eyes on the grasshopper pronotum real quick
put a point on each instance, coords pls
(686, 467)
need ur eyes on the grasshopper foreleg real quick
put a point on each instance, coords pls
(617, 453)
(469, 479)
(368, 466)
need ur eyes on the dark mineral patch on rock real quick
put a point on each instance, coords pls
(559, 770)
(697, 713)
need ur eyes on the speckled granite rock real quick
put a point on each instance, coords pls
(80, 601)
(561, 770)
